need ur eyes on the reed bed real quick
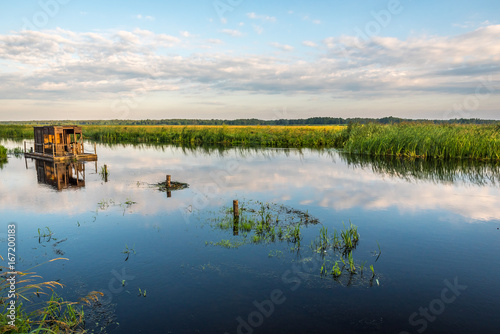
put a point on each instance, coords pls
(269, 136)
(479, 142)
(423, 140)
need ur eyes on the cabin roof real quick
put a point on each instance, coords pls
(59, 127)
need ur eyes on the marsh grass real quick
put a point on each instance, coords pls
(262, 223)
(3, 156)
(475, 142)
(412, 139)
(47, 315)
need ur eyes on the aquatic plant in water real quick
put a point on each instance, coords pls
(52, 315)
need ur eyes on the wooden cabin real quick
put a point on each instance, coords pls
(59, 143)
(58, 140)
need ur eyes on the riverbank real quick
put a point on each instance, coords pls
(478, 142)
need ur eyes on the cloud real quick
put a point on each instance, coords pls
(316, 21)
(283, 47)
(266, 18)
(145, 17)
(258, 29)
(215, 41)
(232, 32)
(310, 44)
(65, 65)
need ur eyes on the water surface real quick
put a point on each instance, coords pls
(436, 224)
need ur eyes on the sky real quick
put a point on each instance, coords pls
(229, 59)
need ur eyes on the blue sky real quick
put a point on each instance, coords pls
(73, 59)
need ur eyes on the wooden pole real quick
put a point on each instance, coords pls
(169, 194)
(169, 178)
(53, 150)
(105, 173)
(95, 148)
(25, 147)
(236, 220)
(236, 209)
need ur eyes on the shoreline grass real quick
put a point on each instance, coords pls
(3, 152)
(413, 140)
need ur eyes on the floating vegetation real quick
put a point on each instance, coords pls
(105, 204)
(345, 241)
(260, 222)
(45, 235)
(226, 243)
(332, 251)
(128, 251)
(162, 186)
(275, 253)
(142, 293)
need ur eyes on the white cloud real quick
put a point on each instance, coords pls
(147, 17)
(232, 32)
(267, 18)
(258, 29)
(310, 44)
(316, 21)
(185, 34)
(61, 64)
(283, 47)
(215, 41)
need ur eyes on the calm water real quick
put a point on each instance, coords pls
(436, 224)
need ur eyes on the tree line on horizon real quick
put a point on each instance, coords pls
(254, 121)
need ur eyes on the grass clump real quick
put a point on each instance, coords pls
(262, 223)
(48, 315)
(3, 152)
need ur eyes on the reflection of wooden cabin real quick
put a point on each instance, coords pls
(60, 175)
(59, 143)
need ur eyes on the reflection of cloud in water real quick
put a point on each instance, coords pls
(309, 178)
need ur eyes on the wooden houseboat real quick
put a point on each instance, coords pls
(59, 143)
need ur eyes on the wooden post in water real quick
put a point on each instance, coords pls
(168, 183)
(236, 220)
(105, 173)
(25, 147)
(236, 209)
(95, 148)
(169, 194)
